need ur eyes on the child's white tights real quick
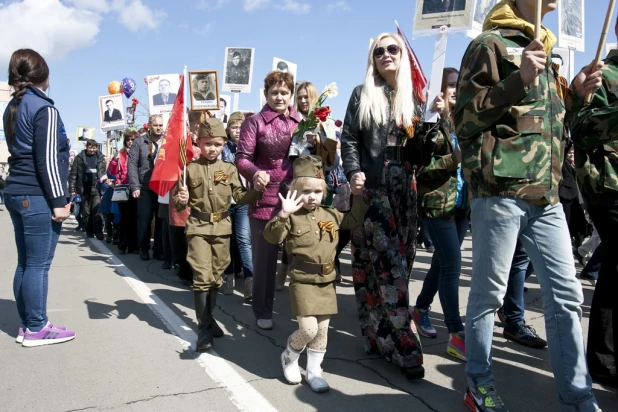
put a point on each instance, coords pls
(312, 331)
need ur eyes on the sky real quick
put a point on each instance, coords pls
(89, 43)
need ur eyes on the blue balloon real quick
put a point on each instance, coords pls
(128, 86)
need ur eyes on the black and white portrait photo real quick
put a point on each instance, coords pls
(285, 66)
(571, 25)
(204, 88)
(238, 69)
(110, 109)
(84, 133)
(162, 92)
(224, 108)
(443, 6)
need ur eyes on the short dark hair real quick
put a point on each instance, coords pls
(236, 54)
(221, 99)
(91, 142)
(141, 130)
(275, 77)
(282, 65)
(109, 101)
(201, 76)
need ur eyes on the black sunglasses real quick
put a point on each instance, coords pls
(392, 49)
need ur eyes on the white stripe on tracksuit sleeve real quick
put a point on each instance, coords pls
(45, 147)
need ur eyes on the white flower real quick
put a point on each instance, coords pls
(331, 90)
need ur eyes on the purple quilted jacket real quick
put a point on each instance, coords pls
(264, 143)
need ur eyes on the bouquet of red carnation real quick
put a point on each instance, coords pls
(311, 124)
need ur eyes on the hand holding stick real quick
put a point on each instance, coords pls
(602, 40)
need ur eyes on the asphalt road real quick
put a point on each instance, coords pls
(135, 326)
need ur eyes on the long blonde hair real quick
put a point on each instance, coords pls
(373, 101)
(312, 94)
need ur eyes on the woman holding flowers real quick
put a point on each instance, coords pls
(262, 158)
(378, 122)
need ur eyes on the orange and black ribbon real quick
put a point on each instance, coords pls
(220, 176)
(183, 151)
(328, 226)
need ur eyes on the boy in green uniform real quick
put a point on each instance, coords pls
(211, 184)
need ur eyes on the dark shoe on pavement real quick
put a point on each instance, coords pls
(525, 335)
(501, 316)
(144, 255)
(166, 265)
(122, 252)
(100, 236)
(158, 256)
(415, 372)
(430, 249)
(90, 235)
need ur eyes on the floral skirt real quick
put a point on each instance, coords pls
(383, 252)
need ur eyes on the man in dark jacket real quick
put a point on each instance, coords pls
(141, 163)
(89, 168)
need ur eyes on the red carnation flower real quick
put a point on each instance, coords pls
(321, 113)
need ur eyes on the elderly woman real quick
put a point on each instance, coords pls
(378, 122)
(262, 158)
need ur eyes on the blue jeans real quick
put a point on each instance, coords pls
(498, 223)
(443, 275)
(242, 236)
(521, 269)
(36, 237)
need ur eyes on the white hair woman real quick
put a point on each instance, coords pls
(378, 121)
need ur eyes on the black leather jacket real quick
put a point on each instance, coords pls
(363, 150)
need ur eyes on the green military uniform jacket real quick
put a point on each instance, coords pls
(314, 294)
(511, 135)
(437, 181)
(594, 130)
(206, 195)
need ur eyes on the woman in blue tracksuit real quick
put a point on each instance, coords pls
(36, 192)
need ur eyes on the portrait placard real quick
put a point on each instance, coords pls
(225, 100)
(608, 47)
(162, 92)
(571, 25)
(84, 133)
(431, 15)
(110, 110)
(562, 57)
(204, 88)
(481, 10)
(238, 67)
(285, 66)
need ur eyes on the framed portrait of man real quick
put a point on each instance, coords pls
(571, 25)
(84, 133)
(285, 66)
(204, 89)
(162, 92)
(238, 69)
(431, 15)
(110, 109)
(223, 113)
(561, 57)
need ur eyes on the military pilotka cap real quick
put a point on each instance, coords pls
(212, 127)
(308, 166)
(236, 116)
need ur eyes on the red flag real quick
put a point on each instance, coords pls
(169, 162)
(419, 80)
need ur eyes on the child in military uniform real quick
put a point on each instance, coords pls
(211, 184)
(311, 236)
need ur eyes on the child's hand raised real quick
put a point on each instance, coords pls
(290, 204)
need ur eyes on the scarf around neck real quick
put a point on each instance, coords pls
(506, 14)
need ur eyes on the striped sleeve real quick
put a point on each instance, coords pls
(46, 147)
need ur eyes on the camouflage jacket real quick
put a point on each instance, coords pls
(437, 181)
(594, 130)
(511, 135)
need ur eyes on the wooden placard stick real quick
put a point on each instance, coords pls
(537, 28)
(597, 59)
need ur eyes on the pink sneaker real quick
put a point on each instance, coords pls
(457, 345)
(22, 331)
(47, 336)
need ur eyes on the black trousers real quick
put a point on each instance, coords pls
(91, 219)
(147, 208)
(164, 215)
(576, 220)
(127, 228)
(344, 239)
(602, 333)
(178, 243)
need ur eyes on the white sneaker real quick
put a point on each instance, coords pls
(289, 363)
(314, 371)
(266, 324)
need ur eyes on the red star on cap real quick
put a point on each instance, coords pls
(319, 175)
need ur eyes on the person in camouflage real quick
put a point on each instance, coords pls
(511, 136)
(595, 135)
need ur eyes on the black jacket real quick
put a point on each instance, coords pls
(363, 150)
(140, 163)
(568, 187)
(78, 171)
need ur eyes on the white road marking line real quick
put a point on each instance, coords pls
(244, 396)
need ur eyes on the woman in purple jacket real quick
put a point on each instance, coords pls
(262, 158)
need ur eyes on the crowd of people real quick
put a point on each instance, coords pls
(517, 156)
